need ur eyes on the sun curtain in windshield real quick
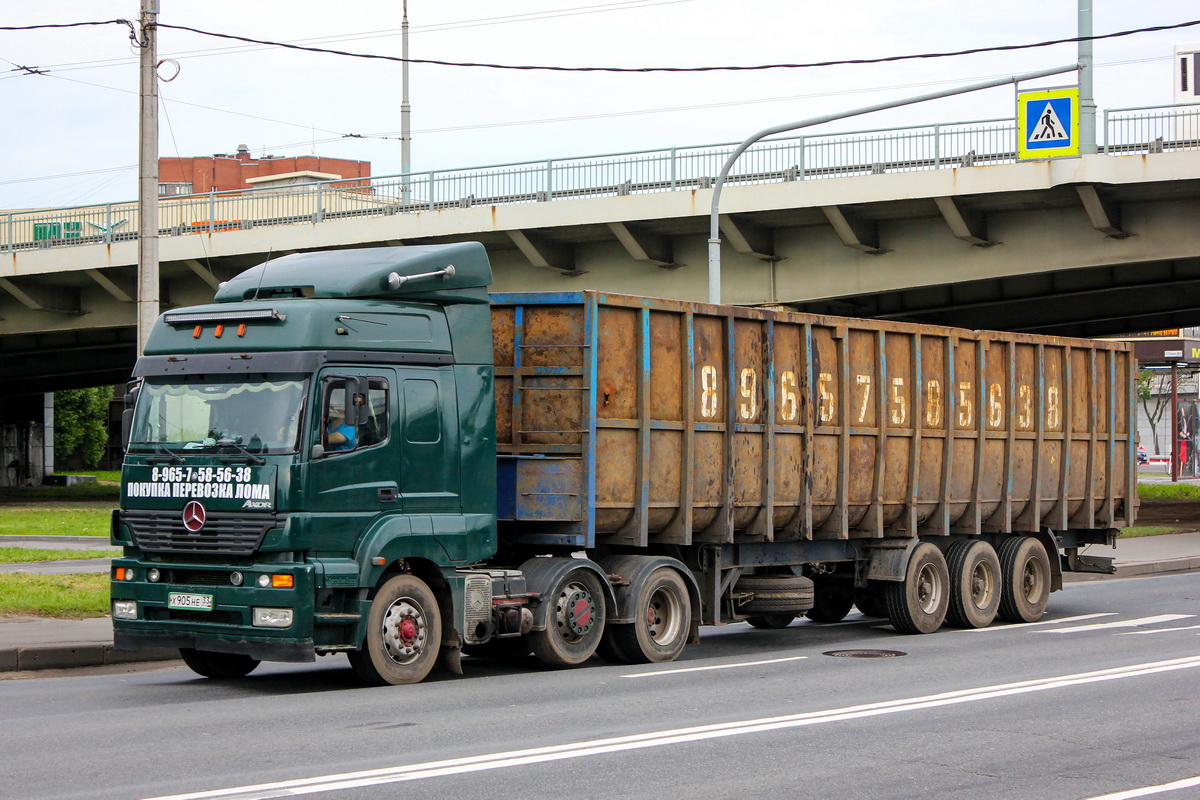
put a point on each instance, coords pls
(261, 417)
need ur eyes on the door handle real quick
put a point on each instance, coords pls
(388, 495)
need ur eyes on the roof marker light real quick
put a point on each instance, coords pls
(196, 332)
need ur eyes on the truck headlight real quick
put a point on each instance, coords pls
(273, 617)
(153, 575)
(124, 609)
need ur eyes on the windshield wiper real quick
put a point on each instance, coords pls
(253, 459)
(171, 457)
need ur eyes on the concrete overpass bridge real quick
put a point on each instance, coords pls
(936, 224)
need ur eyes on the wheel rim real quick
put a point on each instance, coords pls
(664, 613)
(405, 631)
(575, 612)
(983, 585)
(1032, 581)
(929, 589)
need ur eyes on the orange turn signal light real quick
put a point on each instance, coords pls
(120, 573)
(283, 581)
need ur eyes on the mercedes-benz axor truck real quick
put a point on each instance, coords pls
(363, 452)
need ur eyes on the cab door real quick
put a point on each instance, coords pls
(356, 477)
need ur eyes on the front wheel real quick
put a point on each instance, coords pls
(574, 623)
(1025, 585)
(918, 604)
(404, 633)
(662, 617)
(223, 666)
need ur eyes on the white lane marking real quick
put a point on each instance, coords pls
(1149, 790)
(538, 755)
(1159, 630)
(1018, 625)
(1123, 623)
(717, 666)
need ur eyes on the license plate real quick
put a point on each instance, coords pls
(192, 602)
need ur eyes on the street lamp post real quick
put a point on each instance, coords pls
(714, 234)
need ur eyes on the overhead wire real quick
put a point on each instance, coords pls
(731, 68)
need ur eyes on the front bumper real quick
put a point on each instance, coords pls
(228, 627)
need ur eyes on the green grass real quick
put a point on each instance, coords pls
(1168, 491)
(108, 475)
(63, 596)
(84, 491)
(18, 555)
(1148, 530)
(56, 519)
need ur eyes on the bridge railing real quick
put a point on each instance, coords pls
(1153, 129)
(807, 157)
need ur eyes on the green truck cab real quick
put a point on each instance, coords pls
(253, 529)
(363, 452)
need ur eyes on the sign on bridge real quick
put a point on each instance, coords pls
(1048, 123)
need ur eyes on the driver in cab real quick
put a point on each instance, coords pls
(338, 435)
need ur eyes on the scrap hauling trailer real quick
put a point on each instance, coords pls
(361, 451)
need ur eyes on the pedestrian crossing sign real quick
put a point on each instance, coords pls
(1048, 123)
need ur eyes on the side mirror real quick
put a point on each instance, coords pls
(357, 411)
(126, 428)
(318, 451)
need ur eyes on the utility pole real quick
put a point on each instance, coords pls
(147, 297)
(1087, 103)
(405, 111)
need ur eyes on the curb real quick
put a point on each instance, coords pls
(1165, 567)
(84, 654)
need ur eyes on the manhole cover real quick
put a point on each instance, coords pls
(863, 653)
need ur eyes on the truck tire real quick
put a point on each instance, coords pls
(574, 623)
(1025, 579)
(404, 634)
(771, 622)
(776, 594)
(223, 666)
(662, 619)
(974, 584)
(918, 604)
(832, 601)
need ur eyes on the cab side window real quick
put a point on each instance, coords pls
(354, 414)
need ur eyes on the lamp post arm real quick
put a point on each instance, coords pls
(714, 234)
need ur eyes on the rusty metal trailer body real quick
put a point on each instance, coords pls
(746, 439)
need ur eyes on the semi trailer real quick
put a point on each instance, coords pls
(363, 451)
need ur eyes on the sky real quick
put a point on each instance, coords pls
(70, 136)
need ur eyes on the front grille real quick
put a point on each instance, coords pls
(229, 533)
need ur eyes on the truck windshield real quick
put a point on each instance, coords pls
(262, 417)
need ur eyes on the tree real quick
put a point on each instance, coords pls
(81, 423)
(1154, 391)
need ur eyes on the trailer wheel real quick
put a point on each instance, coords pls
(974, 584)
(223, 666)
(1025, 584)
(662, 617)
(574, 623)
(918, 604)
(832, 601)
(404, 633)
(771, 622)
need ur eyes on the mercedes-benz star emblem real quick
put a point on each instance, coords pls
(193, 516)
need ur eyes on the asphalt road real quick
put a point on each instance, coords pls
(1100, 697)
